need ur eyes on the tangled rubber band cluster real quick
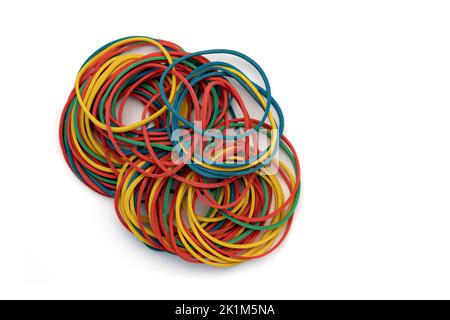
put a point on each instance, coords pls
(192, 177)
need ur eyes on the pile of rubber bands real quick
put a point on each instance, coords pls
(206, 173)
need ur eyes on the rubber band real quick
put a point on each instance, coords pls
(191, 177)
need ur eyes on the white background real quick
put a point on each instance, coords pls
(364, 86)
